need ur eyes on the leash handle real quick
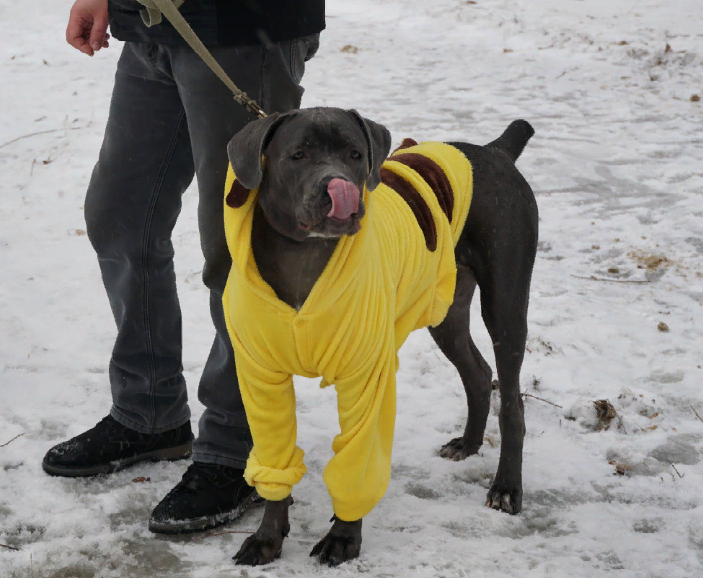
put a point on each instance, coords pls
(171, 12)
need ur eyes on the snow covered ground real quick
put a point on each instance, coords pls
(617, 166)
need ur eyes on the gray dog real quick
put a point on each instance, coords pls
(316, 162)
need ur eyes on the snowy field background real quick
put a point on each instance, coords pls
(617, 166)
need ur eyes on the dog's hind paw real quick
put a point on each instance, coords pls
(509, 502)
(457, 450)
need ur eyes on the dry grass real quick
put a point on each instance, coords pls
(19, 436)
(649, 261)
(621, 468)
(605, 412)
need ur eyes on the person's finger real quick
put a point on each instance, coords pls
(86, 49)
(97, 34)
(76, 32)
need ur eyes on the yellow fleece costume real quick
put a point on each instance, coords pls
(389, 279)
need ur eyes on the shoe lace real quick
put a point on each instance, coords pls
(116, 433)
(211, 474)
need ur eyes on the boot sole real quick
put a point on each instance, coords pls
(167, 454)
(204, 522)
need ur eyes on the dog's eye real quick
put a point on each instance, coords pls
(355, 155)
(298, 155)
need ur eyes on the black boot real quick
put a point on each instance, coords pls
(110, 446)
(209, 495)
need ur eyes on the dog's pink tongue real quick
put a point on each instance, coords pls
(345, 199)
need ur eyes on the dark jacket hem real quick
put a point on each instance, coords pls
(222, 22)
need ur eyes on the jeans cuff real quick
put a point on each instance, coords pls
(125, 421)
(208, 458)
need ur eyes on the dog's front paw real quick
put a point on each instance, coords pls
(342, 543)
(333, 550)
(457, 450)
(256, 551)
(503, 499)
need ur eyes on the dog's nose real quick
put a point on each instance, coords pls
(345, 198)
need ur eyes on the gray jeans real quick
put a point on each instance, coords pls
(170, 118)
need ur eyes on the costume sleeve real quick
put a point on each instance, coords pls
(275, 463)
(358, 474)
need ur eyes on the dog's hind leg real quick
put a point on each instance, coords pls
(453, 338)
(504, 299)
(499, 244)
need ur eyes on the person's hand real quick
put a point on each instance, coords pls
(87, 26)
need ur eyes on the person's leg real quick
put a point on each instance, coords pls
(213, 490)
(133, 200)
(271, 76)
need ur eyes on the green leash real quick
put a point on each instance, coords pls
(151, 14)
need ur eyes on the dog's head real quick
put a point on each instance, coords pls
(316, 164)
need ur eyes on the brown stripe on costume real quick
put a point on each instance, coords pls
(434, 176)
(416, 203)
(406, 144)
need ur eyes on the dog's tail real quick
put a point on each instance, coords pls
(513, 141)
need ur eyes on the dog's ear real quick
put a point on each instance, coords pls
(378, 139)
(247, 146)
